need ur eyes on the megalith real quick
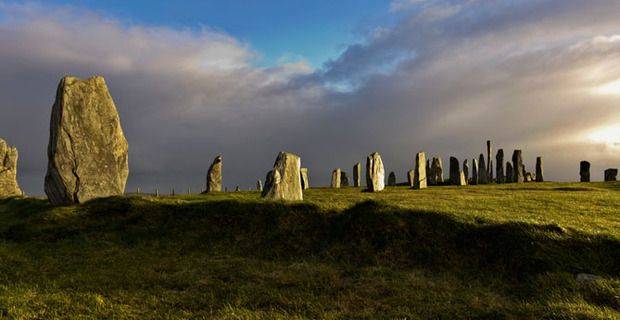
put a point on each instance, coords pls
(489, 163)
(392, 179)
(259, 185)
(517, 167)
(344, 179)
(410, 178)
(436, 174)
(214, 175)
(336, 176)
(482, 171)
(611, 174)
(499, 166)
(375, 174)
(8, 171)
(87, 151)
(284, 181)
(474, 172)
(466, 169)
(584, 171)
(357, 175)
(305, 182)
(509, 173)
(419, 180)
(539, 170)
(455, 171)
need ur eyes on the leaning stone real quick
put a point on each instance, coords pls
(499, 166)
(214, 176)
(344, 179)
(482, 171)
(336, 178)
(584, 171)
(474, 172)
(392, 179)
(509, 173)
(8, 171)
(517, 167)
(419, 180)
(305, 182)
(611, 175)
(455, 172)
(466, 169)
(539, 170)
(410, 177)
(357, 175)
(284, 181)
(375, 174)
(87, 151)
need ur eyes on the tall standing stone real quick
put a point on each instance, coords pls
(436, 173)
(499, 166)
(214, 176)
(357, 175)
(466, 169)
(474, 172)
(489, 167)
(375, 173)
(8, 171)
(539, 170)
(584, 171)
(336, 176)
(259, 185)
(611, 174)
(482, 171)
(410, 178)
(87, 151)
(518, 168)
(392, 179)
(344, 179)
(455, 171)
(462, 179)
(509, 173)
(305, 181)
(428, 168)
(284, 181)
(419, 181)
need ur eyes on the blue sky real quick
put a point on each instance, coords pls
(278, 30)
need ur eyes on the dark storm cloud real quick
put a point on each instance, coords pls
(447, 77)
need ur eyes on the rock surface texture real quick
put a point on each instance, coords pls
(8, 171)
(410, 177)
(214, 176)
(284, 181)
(375, 173)
(336, 176)
(539, 170)
(87, 151)
(518, 169)
(419, 181)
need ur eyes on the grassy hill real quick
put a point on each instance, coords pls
(478, 252)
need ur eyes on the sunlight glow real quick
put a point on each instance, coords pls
(607, 135)
(610, 88)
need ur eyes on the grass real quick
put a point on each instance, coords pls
(479, 252)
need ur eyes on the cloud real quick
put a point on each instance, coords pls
(523, 74)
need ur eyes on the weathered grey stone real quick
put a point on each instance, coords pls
(509, 173)
(357, 175)
(305, 181)
(455, 171)
(392, 179)
(214, 175)
(336, 176)
(375, 173)
(436, 174)
(410, 177)
(518, 174)
(259, 185)
(584, 171)
(87, 151)
(284, 181)
(462, 179)
(474, 172)
(499, 167)
(344, 179)
(482, 171)
(539, 170)
(466, 169)
(8, 171)
(611, 174)
(419, 180)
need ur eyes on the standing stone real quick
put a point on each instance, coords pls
(539, 170)
(466, 169)
(237, 189)
(357, 175)
(428, 168)
(584, 171)
(419, 180)
(336, 176)
(375, 174)
(214, 176)
(344, 179)
(436, 173)
(284, 181)
(611, 175)
(455, 171)
(410, 177)
(499, 166)
(392, 179)
(489, 167)
(462, 179)
(482, 171)
(527, 177)
(474, 172)
(305, 182)
(87, 151)
(509, 173)
(517, 167)
(259, 185)
(8, 171)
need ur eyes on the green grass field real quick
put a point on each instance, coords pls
(478, 252)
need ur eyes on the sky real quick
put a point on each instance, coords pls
(331, 81)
